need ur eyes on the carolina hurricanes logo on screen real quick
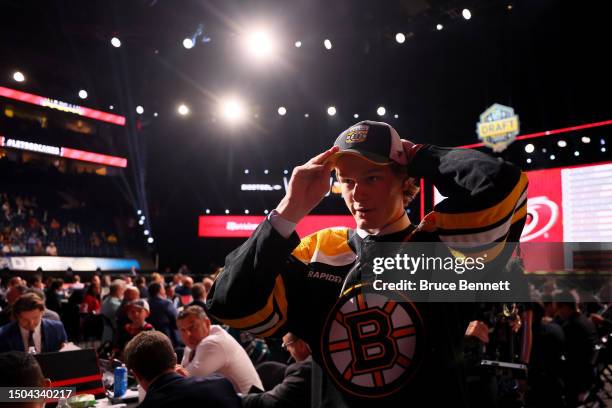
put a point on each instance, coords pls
(542, 214)
(371, 344)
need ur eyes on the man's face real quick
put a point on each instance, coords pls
(137, 315)
(372, 193)
(30, 319)
(193, 330)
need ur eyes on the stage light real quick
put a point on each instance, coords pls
(467, 14)
(207, 211)
(260, 44)
(529, 160)
(116, 42)
(18, 76)
(183, 109)
(298, 44)
(602, 141)
(142, 217)
(227, 211)
(396, 116)
(576, 153)
(246, 211)
(509, 7)
(400, 38)
(188, 43)
(150, 240)
(233, 110)
(552, 157)
(139, 110)
(586, 139)
(529, 148)
(282, 111)
(439, 27)
(140, 222)
(356, 115)
(331, 111)
(83, 94)
(306, 115)
(146, 232)
(246, 171)
(285, 171)
(328, 44)
(139, 212)
(155, 114)
(111, 107)
(603, 149)
(266, 171)
(543, 150)
(266, 211)
(381, 111)
(561, 143)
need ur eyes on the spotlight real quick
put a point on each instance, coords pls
(155, 114)
(381, 111)
(328, 44)
(83, 94)
(139, 212)
(111, 107)
(227, 211)
(602, 141)
(467, 14)
(543, 150)
(146, 232)
(298, 44)
(183, 109)
(265, 211)
(115, 42)
(233, 110)
(529, 160)
(439, 27)
(282, 111)
(576, 153)
(207, 211)
(561, 143)
(331, 111)
(586, 139)
(356, 115)
(246, 171)
(552, 157)
(529, 148)
(140, 222)
(266, 171)
(603, 149)
(259, 44)
(285, 171)
(509, 7)
(150, 240)
(139, 110)
(246, 211)
(188, 43)
(18, 76)
(400, 38)
(306, 115)
(396, 116)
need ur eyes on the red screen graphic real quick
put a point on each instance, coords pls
(242, 226)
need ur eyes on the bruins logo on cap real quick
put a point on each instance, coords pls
(372, 345)
(357, 134)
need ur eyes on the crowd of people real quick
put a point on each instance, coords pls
(111, 314)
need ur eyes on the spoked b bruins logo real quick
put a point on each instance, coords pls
(372, 345)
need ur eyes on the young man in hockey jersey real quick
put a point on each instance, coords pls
(370, 349)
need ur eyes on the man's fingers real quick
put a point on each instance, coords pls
(320, 159)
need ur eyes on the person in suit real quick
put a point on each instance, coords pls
(294, 390)
(30, 332)
(198, 294)
(151, 358)
(163, 313)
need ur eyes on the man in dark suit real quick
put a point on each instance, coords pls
(163, 313)
(198, 294)
(294, 390)
(152, 360)
(30, 332)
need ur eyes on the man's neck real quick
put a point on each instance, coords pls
(402, 222)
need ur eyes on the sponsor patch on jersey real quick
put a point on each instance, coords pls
(372, 345)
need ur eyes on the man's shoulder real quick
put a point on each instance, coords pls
(52, 324)
(300, 368)
(329, 245)
(8, 328)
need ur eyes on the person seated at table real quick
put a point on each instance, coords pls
(91, 301)
(137, 311)
(210, 349)
(151, 358)
(19, 369)
(29, 331)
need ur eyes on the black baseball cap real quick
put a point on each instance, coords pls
(376, 142)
